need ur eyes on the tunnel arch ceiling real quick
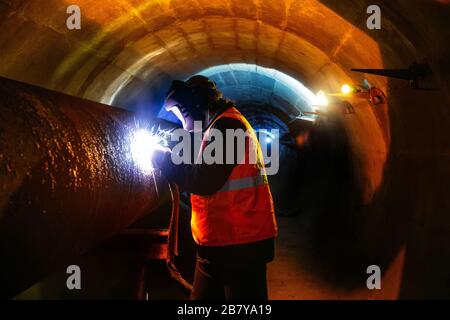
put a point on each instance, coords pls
(129, 51)
(248, 84)
(135, 48)
(142, 42)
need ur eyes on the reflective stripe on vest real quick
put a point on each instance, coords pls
(244, 183)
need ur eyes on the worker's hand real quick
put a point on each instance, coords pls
(160, 156)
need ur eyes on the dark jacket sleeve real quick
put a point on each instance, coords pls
(203, 179)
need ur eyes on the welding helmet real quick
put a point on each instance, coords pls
(190, 101)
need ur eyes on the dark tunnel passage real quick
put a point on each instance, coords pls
(370, 187)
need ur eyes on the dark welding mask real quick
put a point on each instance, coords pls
(190, 100)
(180, 100)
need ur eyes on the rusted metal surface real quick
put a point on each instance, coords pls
(66, 178)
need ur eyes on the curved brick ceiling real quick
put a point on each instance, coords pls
(139, 42)
(252, 84)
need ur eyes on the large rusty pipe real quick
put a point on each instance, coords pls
(66, 178)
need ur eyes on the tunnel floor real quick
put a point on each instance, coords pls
(290, 277)
(299, 271)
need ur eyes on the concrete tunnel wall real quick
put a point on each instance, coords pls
(400, 152)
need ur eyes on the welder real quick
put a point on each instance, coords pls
(233, 220)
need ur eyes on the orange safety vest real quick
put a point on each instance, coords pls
(242, 210)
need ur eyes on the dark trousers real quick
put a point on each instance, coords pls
(214, 281)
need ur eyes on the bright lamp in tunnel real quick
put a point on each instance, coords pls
(346, 89)
(321, 99)
(144, 143)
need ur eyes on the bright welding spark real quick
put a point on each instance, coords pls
(144, 143)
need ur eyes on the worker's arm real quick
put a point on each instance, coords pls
(203, 179)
